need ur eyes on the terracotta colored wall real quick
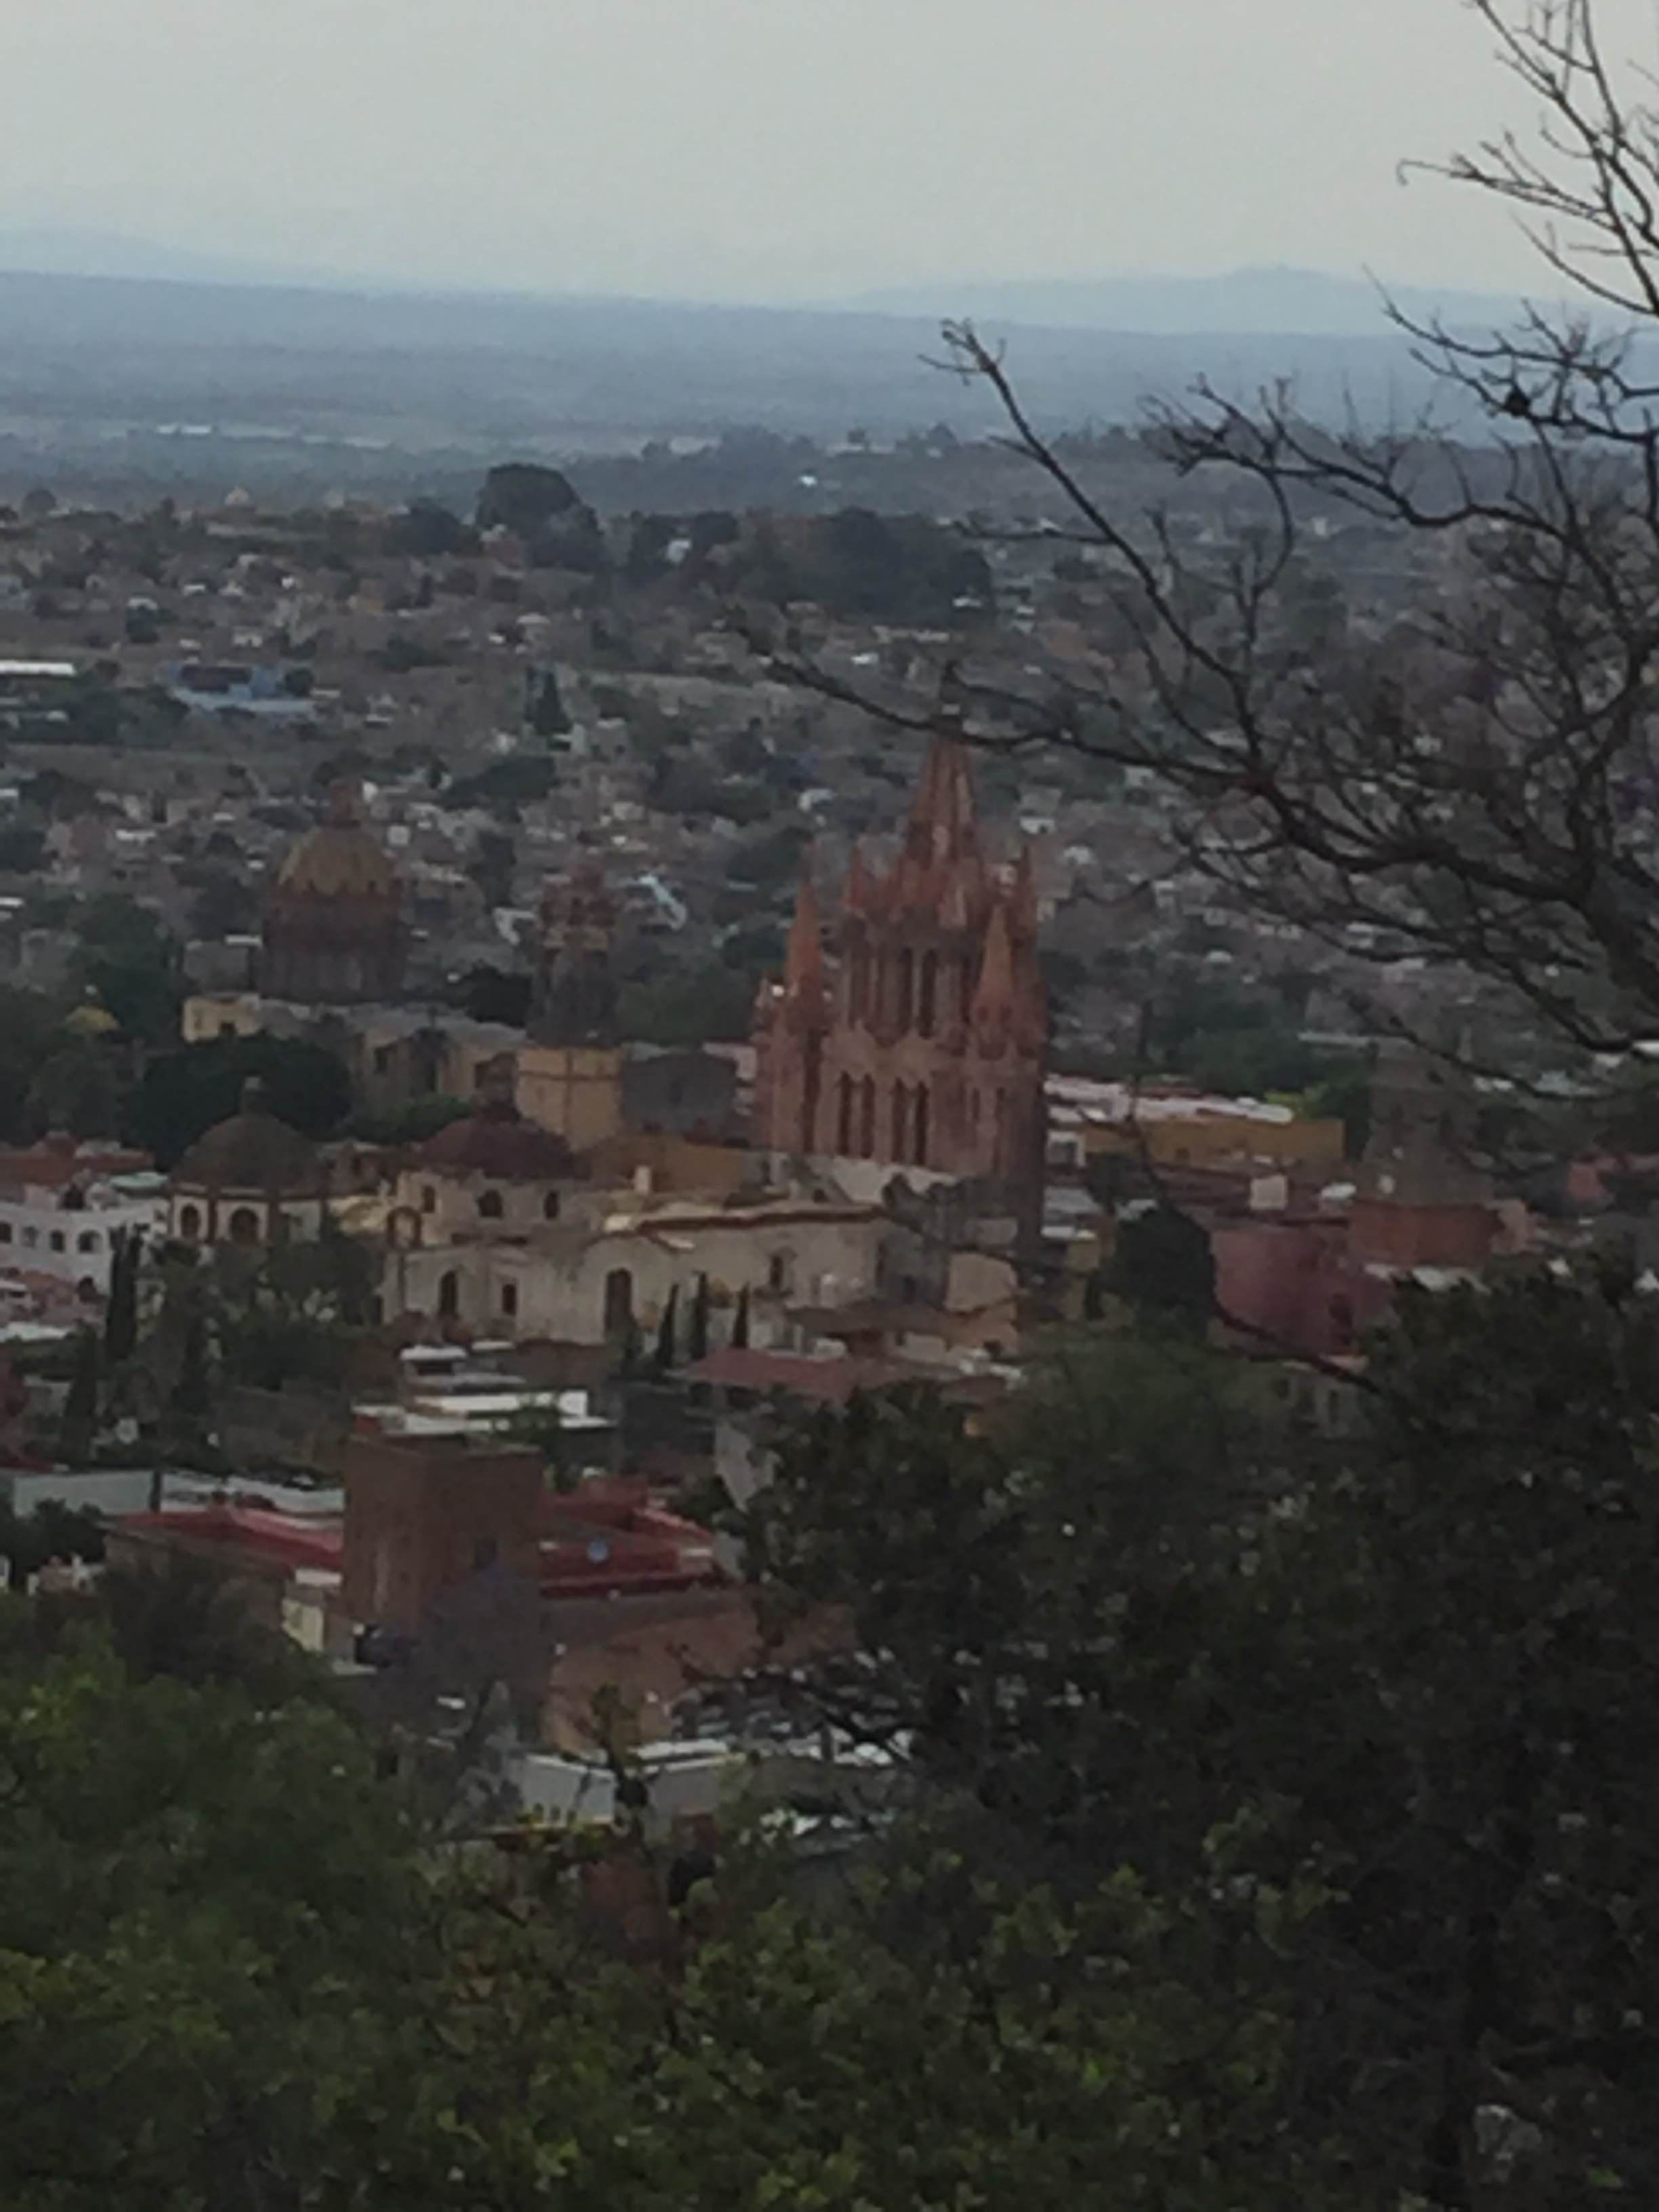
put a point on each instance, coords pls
(425, 1515)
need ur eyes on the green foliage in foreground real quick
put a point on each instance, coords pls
(233, 1973)
(1409, 1676)
(1282, 1837)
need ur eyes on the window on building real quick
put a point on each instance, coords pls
(86, 1240)
(550, 1206)
(382, 1059)
(190, 1223)
(5, 1233)
(490, 1206)
(781, 1272)
(227, 1029)
(449, 1294)
(919, 1131)
(844, 1115)
(906, 988)
(56, 1240)
(243, 1227)
(429, 1199)
(901, 1130)
(858, 985)
(867, 1118)
(618, 1302)
(509, 1300)
(928, 1012)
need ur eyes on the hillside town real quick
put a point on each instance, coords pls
(491, 1039)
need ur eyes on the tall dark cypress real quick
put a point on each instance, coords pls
(668, 1333)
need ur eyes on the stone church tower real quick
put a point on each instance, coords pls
(925, 1045)
(568, 1075)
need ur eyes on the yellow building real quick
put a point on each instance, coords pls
(1088, 1119)
(573, 1091)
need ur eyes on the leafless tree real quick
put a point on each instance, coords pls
(1476, 783)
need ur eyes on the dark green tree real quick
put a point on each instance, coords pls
(121, 1311)
(697, 1339)
(78, 1428)
(665, 1357)
(185, 1093)
(1163, 1268)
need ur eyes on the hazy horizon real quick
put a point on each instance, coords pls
(787, 152)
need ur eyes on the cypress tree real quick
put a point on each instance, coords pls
(121, 1315)
(667, 1333)
(696, 1345)
(80, 1422)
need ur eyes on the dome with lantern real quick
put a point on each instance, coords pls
(334, 931)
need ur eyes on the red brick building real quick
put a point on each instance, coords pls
(424, 1514)
(921, 1041)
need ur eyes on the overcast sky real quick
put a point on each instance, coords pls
(760, 148)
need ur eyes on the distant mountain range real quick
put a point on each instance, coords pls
(42, 251)
(1244, 302)
(165, 373)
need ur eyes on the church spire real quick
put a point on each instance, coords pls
(804, 991)
(993, 998)
(944, 826)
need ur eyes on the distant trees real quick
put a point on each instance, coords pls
(128, 959)
(185, 1093)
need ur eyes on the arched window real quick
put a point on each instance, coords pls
(449, 1294)
(901, 1136)
(86, 1240)
(190, 1223)
(906, 988)
(927, 1013)
(243, 1227)
(919, 1131)
(429, 1199)
(844, 1115)
(490, 1207)
(867, 1118)
(550, 1206)
(618, 1302)
(509, 1301)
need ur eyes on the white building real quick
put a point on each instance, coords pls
(63, 1205)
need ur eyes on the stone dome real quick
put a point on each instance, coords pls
(254, 1151)
(334, 932)
(498, 1144)
(339, 858)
